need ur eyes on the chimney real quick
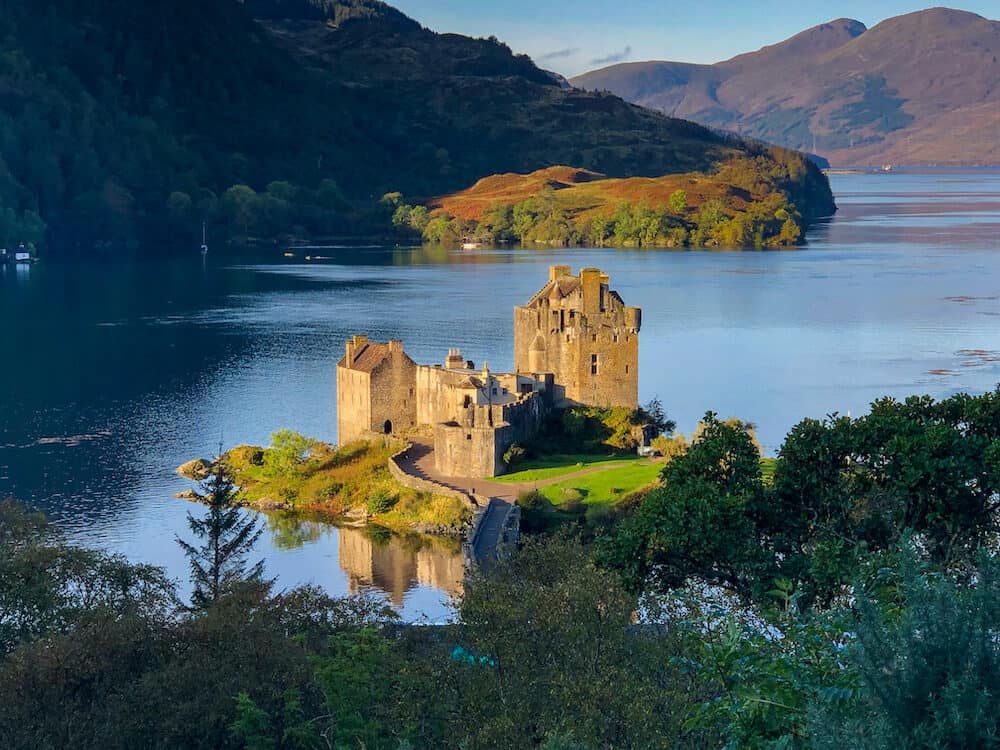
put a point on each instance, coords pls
(395, 346)
(454, 360)
(593, 298)
(354, 345)
(556, 271)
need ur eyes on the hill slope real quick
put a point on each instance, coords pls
(742, 205)
(923, 88)
(122, 121)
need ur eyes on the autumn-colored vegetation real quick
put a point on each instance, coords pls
(746, 202)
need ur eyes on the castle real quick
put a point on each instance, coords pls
(575, 343)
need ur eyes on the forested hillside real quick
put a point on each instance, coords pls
(123, 123)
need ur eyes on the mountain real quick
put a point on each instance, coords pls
(121, 122)
(918, 89)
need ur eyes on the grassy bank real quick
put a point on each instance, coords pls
(299, 474)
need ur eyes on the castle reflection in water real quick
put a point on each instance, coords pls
(397, 564)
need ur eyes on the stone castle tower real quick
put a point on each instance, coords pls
(376, 386)
(580, 330)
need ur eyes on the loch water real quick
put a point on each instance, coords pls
(115, 373)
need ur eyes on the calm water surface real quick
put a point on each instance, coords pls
(114, 375)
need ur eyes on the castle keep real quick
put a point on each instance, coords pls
(575, 342)
(580, 330)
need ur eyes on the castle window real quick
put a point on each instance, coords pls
(468, 436)
(526, 388)
(494, 391)
(467, 402)
(626, 369)
(594, 338)
(593, 364)
(615, 338)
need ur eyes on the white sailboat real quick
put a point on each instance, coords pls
(204, 240)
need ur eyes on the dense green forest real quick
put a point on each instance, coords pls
(124, 123)
(850, 600)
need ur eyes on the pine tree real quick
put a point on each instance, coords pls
(218, 564)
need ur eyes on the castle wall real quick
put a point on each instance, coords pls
(461, 451)
(393, 394)
(472, 447)
(353, 405)
(437, 398)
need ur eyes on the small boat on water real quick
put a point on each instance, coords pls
(21, 256)
(470, 246)
(204, 240)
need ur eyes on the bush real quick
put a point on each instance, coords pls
(243, 456)
(537, 513)
(671, 447)
(514, 456)
(287, 453)
(381, 501)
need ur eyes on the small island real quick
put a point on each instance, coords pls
(747, 201)
(424, 447)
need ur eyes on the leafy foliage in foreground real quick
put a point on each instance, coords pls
(844, 493)
(546, 653)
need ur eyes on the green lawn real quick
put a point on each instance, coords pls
(548, 467)
(604, 487)
(767, 470)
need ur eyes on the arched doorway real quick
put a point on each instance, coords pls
(387, 427)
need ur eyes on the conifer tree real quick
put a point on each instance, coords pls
(218, 563)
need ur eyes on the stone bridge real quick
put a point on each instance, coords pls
(496, 519)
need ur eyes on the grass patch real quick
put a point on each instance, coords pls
(767, 466)
(306, 475)
(604, 487)
(548, 467)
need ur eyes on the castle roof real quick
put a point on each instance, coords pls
(368, 357)
(557, 289)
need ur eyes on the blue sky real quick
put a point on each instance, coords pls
(573, 36)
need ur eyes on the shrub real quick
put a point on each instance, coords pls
(671, 447)
(514, 455)
(381, 501)
(244, 456)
